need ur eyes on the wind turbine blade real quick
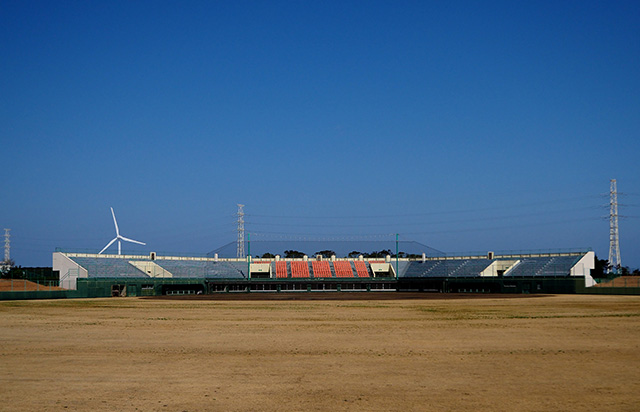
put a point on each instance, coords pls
(115, 223)
(126, 239)
(108, 244)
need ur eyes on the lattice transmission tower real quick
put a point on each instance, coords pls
(7, 246)
(240, 250)
(614, 236)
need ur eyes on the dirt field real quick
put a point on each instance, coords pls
(551, 353)
(622, 282)
(17, 285)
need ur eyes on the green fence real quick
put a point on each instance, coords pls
(43, 294)
(609, 291)
(105, 287)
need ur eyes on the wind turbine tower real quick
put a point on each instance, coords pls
(614, 237)
(240, 250)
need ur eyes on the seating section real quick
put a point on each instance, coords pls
(419, 269)
(184, 268)
(544, 266)
(447, 268)
(225, 270)
(206, 269)
(343, 269)
(115, 267)
(321, 269)
(281, 269)
(109, 267)
(361, 269)
(533, 266)
(471, 267)
(299, 269)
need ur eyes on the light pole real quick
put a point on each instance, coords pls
(396, 256)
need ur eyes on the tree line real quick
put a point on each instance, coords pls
(295, 254)
(29, 273)
(604, 269)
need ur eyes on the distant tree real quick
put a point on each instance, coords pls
(5, 268)
(14, 272)
(326, 253)
(380, 254)
(636, 272)
(293, 254)
(601, 268)
(624, 271)
(268, 255)
(354, 254)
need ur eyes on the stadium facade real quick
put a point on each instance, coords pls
(95, 275)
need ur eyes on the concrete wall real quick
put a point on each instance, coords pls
(496, 265)
(69, 271)
(583, 268)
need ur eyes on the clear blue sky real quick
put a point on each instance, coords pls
(467, 126)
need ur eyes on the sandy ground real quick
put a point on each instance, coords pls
(551, 353)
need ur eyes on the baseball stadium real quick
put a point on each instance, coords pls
(413, 267)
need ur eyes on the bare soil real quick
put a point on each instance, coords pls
(17, 285)
(342, 296)
(621, 282)
(551, 353)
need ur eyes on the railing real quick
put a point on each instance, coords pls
(70, 272)
(515, 252)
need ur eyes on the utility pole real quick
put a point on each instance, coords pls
(240, 245)
(397, 256)
(614, 237)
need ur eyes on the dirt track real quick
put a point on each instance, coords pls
(545, 354)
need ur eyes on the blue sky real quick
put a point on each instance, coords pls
(467, 126)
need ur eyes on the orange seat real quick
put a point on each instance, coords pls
(321, 269)
(281, 270)
(361, 269)
(343, 269)
(299, 269)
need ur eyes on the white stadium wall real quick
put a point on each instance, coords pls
(583, 268)
(69, 271)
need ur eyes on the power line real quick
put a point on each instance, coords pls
(435, 213)
(414, 223)
(485, 228)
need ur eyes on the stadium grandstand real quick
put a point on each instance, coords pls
(417, 268)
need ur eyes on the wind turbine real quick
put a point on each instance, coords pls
(118, 237)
